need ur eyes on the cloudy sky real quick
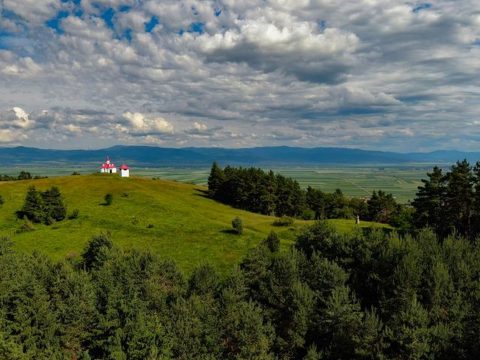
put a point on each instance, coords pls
(372, 74)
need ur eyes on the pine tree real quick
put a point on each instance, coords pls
(215, 180)
(430, 204)
(460, 197)
(33, 207)
(53, 204)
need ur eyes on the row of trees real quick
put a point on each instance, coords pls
(450, 202)
(273, 194)
(43, 206)
(331, 296)
(23, 175)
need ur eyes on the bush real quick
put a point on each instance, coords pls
(74, 214)
(26, 226)
(75, 173)
(108, 199)
(284, 221)
(237, 225)
(272, 242)
(149, 226)
(2, 201)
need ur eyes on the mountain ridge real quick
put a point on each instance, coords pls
(200, 156)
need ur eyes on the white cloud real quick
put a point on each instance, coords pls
(144, 124)
(368, 73)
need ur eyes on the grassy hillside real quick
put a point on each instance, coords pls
(174, 220)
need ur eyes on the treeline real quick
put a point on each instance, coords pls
(331, 296)
(268, 193)
(450, 202)
(23, 175)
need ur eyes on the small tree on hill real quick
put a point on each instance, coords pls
(108, 199)
(237, 225)
(53, 204)
(33, 208)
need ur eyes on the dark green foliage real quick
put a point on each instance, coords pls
(46, 207)
(272, 242)
(108, 199)
(273, 194)
(24, 175)
(237, 225)
(284, 221)
(96, 252)
(332, 296)
(54, 207)
(255, 190)
(33, 208)
(450, 202)
(2, 201)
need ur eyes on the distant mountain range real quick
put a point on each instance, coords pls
(183, 157)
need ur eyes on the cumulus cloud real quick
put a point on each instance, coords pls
(144, 125)
(367, 73)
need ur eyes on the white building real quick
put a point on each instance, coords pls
(108, 167)
(124, 171)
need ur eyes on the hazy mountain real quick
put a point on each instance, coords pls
(157, 156)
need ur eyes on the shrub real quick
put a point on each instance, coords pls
(272, 242)
(2, 201)
(284, 221)
(108, 199)
(26, 226)
(149, 226)
(75, 173)
(74, 214)
(237, 225)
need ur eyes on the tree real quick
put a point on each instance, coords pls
(108, 199)
(237, 225)
(460, 197)
(215, 180)
(382, 207)
(33, 207)
(53, 204)
(96, 252)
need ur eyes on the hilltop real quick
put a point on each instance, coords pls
(174, 220)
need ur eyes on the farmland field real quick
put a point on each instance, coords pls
(402, 182)
(359, 182)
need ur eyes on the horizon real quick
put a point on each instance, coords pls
(379, 76)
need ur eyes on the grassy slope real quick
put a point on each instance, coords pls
(187, 226)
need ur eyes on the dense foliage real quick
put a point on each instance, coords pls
(43, 207)
(23, 175)
(273, 194)
(450, 202)
(331, 296)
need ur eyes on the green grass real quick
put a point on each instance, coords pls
(187, 226)
(359, 181)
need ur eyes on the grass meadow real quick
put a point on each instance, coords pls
(173, 219)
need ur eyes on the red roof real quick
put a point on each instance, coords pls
(124, 167)
(108, 166)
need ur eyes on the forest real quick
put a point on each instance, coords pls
(447, 201)
(331, 296)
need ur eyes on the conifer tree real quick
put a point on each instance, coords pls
(215, 180)
(33, 207)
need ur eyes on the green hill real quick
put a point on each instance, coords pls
(174, 220)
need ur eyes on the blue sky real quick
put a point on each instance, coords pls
(386, 75)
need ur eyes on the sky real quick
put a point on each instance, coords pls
(370, 74)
